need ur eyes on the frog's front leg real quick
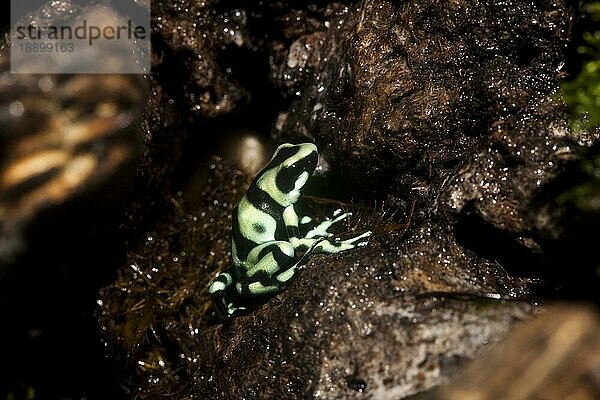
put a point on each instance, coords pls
(321, 245)
(321, 230)
(290, 218)
(314, 242)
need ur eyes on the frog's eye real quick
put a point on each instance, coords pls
(295, 175)
(286, 178)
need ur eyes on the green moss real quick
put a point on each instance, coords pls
(582, 97)
(586, 195)
(582, 94)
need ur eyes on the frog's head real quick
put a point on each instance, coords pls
(288, 171)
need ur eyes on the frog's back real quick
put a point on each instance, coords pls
(256, 219)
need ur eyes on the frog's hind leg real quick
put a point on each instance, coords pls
(221, 290)
(274, 271)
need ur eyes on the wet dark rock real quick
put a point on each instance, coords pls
(450, 105)
(385, 346)
(554, 356)
(455, 96)
(189, 37)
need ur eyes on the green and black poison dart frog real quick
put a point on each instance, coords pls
(266, 235)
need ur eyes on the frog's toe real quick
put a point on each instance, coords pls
(358, 241)
(338, 215)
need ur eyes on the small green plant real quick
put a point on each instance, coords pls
(582, 94)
